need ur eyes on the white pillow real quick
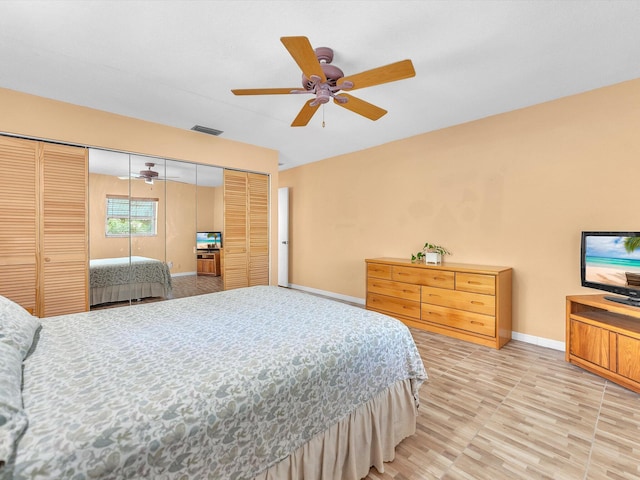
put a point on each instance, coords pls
(17, 326)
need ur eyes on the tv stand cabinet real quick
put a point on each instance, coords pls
(603, 337)
(208, 263)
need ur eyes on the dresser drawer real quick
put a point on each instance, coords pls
(393, 305)
(471, 302)
(394, 289)
(476, 283)
(378, 270)
(423, 276)
(459, 319)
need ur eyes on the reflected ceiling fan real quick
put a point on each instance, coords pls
(147, 175)
(325, 81)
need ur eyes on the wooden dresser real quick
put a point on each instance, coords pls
(469, 302)
(604, 338)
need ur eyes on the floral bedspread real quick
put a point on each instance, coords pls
(106, 272)
(218, 386)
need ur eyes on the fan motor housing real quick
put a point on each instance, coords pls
(332, 73)
(149, 173)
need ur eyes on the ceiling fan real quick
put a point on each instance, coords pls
(325, 81)
(147, 175)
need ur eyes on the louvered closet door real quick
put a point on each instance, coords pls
(63, 226)
(18, 221)
(258, 229)
(236, 273)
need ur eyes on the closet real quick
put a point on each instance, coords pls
(45, 210)
(43, 226)
(246, 229)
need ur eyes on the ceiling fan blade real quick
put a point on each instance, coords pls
(305, 56)
(361, 107)
(266, 91)
(305, 114)
(388, 73)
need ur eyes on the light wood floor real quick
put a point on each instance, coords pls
(521, 412)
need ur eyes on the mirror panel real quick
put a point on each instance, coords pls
(181, 219)
(109, 187)
(148, 227)
(210, 219)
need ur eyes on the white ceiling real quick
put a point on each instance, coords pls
(175, 62)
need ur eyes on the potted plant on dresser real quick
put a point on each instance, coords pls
(430, 254)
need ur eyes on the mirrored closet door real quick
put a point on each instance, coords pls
(144, 217)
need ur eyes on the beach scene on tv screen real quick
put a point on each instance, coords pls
(208, 240)
(613, 260)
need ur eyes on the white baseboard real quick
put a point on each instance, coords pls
(337, 296)
(522, 337)
(543, 342)
(183, 274)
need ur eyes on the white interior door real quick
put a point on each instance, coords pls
(283, 236)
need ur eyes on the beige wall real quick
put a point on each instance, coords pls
(514, 189)
(181, 226)
(209, 209)
(31, 116)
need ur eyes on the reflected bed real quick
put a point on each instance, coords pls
(127, 278)
(259, 382)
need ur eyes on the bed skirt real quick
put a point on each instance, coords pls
(121, 293)
(348, 450)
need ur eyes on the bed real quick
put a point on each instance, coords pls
(259, 382)
(126, 278)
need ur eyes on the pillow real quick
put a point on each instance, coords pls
(13, 419)
(17, 326)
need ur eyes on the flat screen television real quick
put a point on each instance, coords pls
(208, 240)
(610, 261)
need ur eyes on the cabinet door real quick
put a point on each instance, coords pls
(590, 343)
(628, 355)
(258, 229)
(246, 229)
(236, 264)
(63, 286)
(18, 221)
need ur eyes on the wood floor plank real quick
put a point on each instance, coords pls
(520, 412)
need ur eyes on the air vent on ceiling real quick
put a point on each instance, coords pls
(207, 130)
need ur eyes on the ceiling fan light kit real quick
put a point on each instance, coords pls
(324, 81)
